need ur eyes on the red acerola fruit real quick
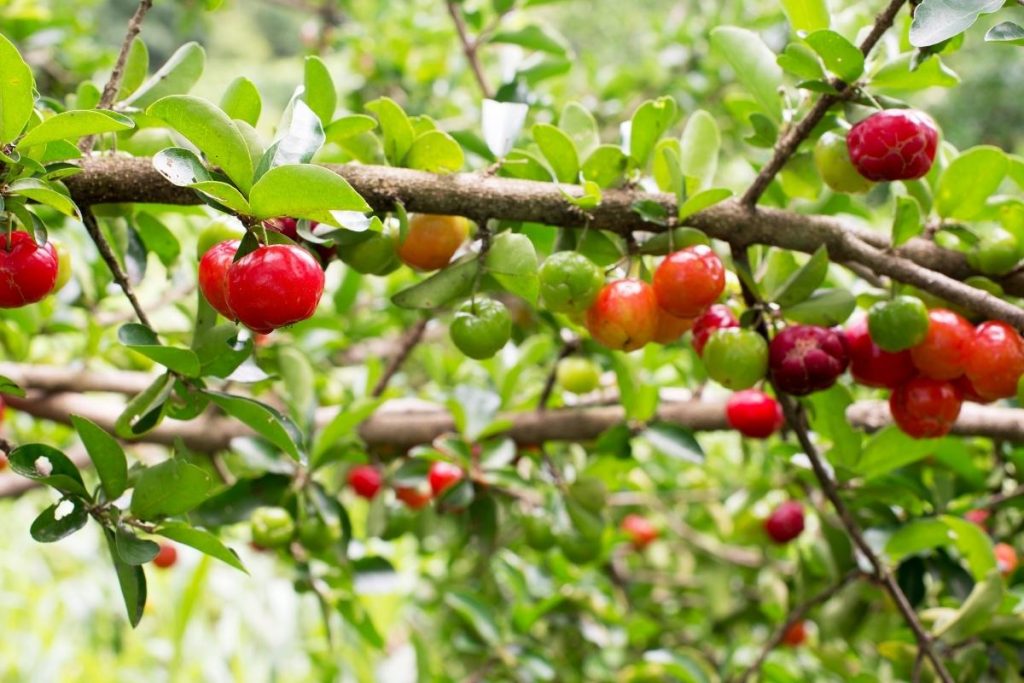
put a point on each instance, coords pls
(365, 480)
(167, 556)
(1006, 558)
(806, 358)
(944, 350)
(716, 317)
(624, 316)
(979, 517)
(925, 408)
(274, 286)
(28, 270)
(689, 280)
(443, 475)
(870, 365)
(213, 275)
(640, 530)
(896, 144)
(670, 328)
(413, 497)
(795, 635)
(289, 227)
(786, 522)
(995, 360)
(3, 462)
(753, 413)
(968, 392)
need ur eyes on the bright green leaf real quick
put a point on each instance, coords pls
(435, 151)
(512, 261)
(320, 93)
(71, 125)
(107, 456)
(841, 57)
(968, 182)
(242, 101)
(172, 487)
(16, 83)
(304, 191)
(754, 65)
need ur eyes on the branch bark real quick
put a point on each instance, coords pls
(469, 48)
(107, 253)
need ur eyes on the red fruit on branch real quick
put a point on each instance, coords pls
(806, 358)
(786, 522)
(365, 480)
(166, 557)
(413, 497)
(716, 317)
(925, 408)
(274, 286)
(432, 240)
(995, 360)
(640, 531)
(944, 350)
(624, 316)
(795, 635)
(896, 144)
(870, 365)
(443, 475)
(754, 413)
(1006, 558)
(689, 280)
(28, 270)
(968, 392)
(213, 275)
(670, 328)
(979, 517)
(289, 227)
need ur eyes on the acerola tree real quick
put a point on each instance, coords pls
(637, 454)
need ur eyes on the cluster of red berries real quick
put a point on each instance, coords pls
(366, 481)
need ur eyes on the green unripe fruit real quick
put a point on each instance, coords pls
(832, 159)
(579, 549)
(736, 358)
(578, 375)
(1020, 390)
(997, 253)
(376, 255)
(569, 282)
(272, 527)
(215, 233)
(538, 532)
(63, 266)
(315, 535)
(898, 324)
(481, 328)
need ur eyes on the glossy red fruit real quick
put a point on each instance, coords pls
(3, 462)
(167, 556)
(27, 271)
(995, 360)
(754, 413)
(979, 517)
(640, 531)
(274, 286)
(1006, 558)
(289, 227)
(786, 522)
(968, 392)
(806, 358)
(944, 350)
(413, 497)
(689, 280)
(443, 475)
(624, 316)
(925, 408)
(716, 317)
(365, 480)
(896, 144)
(795, 635)
(870, 365)
(670, 328)
(213, 275)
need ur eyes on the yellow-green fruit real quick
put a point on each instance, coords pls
(578, 375)
(272, 527)
(997, 253)
(832, 159)
(215, 233)
(63, 266)
(373, 256)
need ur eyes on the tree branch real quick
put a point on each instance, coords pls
(405, 347)
(469, 48)
(93, 228)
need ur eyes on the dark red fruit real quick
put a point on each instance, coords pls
(870, 365)
(786, 522)
(443, 475)
(365, 480)
(795, 635)
(274, 286)
(213, 275)
(806, 358)
(716, 317)
(943, 352)
(167, 556)
(925, 408)
(753, 413)
(995, 360)
(640, 531)
(27, 271)
(689, 280)
(896, 144)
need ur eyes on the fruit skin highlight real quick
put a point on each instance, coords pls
(895, 144)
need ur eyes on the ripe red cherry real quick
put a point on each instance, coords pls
(365, 480)
(624, 316)
(689, 280)
(167, 556)
(806, 358)
(753, 413)
(796, 634)
(640, 531)
(942, 353)
(274, 286)
(995, 360)
(1006, 558)
(716, 317)
(979, 517)
(870, 365)
(925, 408)
(213, 275)
(896, 144)
(27, 271)
(413, 497)
(443, 475)
(786, 522)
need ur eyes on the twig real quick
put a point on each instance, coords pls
(470, 48)
(408, 343)
(93, 228)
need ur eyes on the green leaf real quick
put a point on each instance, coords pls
(106, 454)
(666, 242)
(142, 339)
(939, 20)
(343, 425)
(397, 129)
(907, 222)
(172, 487)
(801, 61)
(71, 125)
(224, 194)
(46, 465)
(16, 84)
(9, 386)
(136, 67)
(976, 612)
(605, 166)
(180, 166)
(349, 126)
(828, 419)
(699, 145)
(45, 193)
(48, 529)
(668, 172)
(533, 37)
(242, 101)
(453, 282)
(263, 419)
(158, 238)
(435, 151)
(320, 93)
(581, 127)
(803, 282)
(754, 65)
(891, 449)
(304, 191)
(674, 441)
(806, 15)
(299, 381)
(825, 307)
(476, 614)
(703, 200)
(899, 75)
(916, 537)
(559, 151)
(132, 549)
(1006, 32)
(973, 544)
(841, 57)
(145, 411)
(649, 123)
(211, 131)
(201, 540)
(176, 76)
(303, 138)
(969, 181)
(132, 580)
(512, 261)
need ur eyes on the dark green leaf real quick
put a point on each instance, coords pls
(451, 283)
(49, 466)
(803, 282)
(907, 221)
(477, 615)
(201, 540)
(145, 411)
(106, 454)
(48, 529)
(143, 340)
(172, 487)
(132, 549)
(132, 581)
(841, 57)
(674, 441)
(825, 307)
(263, 419)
